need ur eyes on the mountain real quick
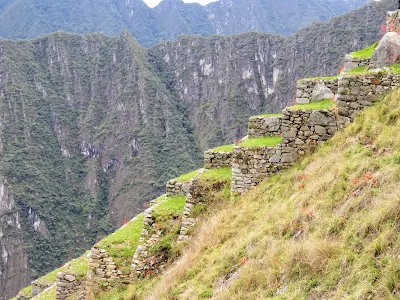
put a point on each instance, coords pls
(93, 126)
(168, 20)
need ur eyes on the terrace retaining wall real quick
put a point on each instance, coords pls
(356, 92)
(176, 188)
(302, 130)
(351, 63)
(214, 159)
(68, 285)
(251, 166)
(260, 126)
(188, 221)
(307, 89)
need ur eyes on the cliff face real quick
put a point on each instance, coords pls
(92, 127)
(221, 80)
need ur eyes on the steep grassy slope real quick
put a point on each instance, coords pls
(327, 228)
(171, 18)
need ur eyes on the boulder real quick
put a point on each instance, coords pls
(388, 51)
(349, 63)
(321, 92)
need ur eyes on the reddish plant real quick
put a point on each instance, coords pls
(341, 69)
(244, 260)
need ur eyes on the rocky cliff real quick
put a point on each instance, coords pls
(92, 127)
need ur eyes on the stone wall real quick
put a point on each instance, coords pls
(259, 126)
(176, 188)
(351, 63)
(68, 286)
(143, 262)
(188, 221)
(302, 130)
(213, 159)
(251, 166)
(356, 92)
(310, 90)
(102, 268)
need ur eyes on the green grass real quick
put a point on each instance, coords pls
(319, 78)
(395, 68)
(224, 148)
(324, 104)
(267, 115)
(79, 266)
(365, 53)
(220, 173)
(51, 277)
(170, 207)
(186, 177)
(267, 141)
(27, 291)
(358, 70)
(50, 294)
(121, 245)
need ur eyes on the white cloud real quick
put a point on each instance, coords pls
(153, 3)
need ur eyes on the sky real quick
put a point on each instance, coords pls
(153, 3)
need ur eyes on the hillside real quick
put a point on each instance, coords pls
(171, 18)
(326, 228)
(113, 118)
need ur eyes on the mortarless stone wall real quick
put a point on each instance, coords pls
(214, 159)
(356, 92)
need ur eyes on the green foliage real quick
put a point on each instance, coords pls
(324, 104)
(269, 141)
(365, 53)
(224, 148)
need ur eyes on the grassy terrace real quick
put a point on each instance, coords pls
(121, 245)
(267, 116)
(365, 53)
(223, 174)
(224, 148)
(50, 294)
(319, 78)
(186, 177)
(324, 104)
(266, 141)
(169, 207)
(79, 266)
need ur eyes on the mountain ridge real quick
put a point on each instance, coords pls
(166, 21)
